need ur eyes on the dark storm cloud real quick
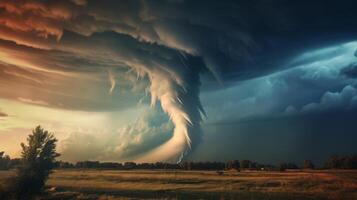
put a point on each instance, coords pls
(316, 80)
(334, 101)
(234, 39)
(171, 46)
(246, 39)
(350, 71)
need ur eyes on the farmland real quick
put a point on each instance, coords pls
(171, 184)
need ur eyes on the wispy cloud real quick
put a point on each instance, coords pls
(23, 76)
(2, 114)
(30, 101)
(112, 81)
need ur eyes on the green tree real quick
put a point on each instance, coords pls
(38, 159)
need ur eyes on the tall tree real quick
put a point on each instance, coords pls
(38, 159)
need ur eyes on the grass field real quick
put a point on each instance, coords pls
(150, 184)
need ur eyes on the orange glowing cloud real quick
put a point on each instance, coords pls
(34, 18)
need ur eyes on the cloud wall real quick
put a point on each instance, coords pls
(62, 53)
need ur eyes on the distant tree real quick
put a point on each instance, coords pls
(233, 164)
(88, 164)
(254, 165)
(285, 166)
(5, 161)
(129, 165)
(37, 160)
(187, 165)
(341, 162)
(245, 164)
(350, 162)
(110, 165)
(308, 164)
(64, 165)
(333, 162)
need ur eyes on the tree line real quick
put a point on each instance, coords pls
(187, 165)
(333, 162)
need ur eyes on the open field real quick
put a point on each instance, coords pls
(150, 184)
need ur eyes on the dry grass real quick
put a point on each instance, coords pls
(150, 184)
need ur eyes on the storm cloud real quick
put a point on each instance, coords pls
(350, 71)
(124, 143)
(61, 54)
